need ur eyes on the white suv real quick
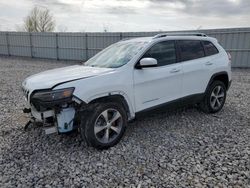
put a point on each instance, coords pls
(128, 77)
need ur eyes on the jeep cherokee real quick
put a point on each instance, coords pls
(131, 76)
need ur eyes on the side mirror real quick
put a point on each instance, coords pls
(146, 62)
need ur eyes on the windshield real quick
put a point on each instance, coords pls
(116, 55)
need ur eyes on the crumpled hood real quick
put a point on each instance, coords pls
(50, 78)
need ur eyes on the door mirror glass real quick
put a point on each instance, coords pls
(147, 62)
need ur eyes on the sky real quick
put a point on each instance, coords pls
(130, 15)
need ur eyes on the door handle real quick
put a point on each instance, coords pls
(175, 70)
(208, 63)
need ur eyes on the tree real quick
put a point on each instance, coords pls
(39, 20)
(62, 28)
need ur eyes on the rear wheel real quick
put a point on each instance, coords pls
(103, 125)
(215, 97)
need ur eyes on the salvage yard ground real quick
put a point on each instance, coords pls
(178, 148)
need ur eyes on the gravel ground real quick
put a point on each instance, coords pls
(181, 148)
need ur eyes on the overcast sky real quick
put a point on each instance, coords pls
(131, 15)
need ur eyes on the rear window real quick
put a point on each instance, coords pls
(190, 49)
(210, 49)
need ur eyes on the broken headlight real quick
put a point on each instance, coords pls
(53, 95)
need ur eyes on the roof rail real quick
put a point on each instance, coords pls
(179, 34)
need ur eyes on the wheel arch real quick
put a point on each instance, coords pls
(221, 76)
(115, 97)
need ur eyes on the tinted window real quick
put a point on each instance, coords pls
(163, 52)
(210, 49)
(191, 50)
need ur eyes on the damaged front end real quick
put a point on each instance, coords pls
(55, 109)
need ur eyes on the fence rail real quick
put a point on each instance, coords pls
(82, 46)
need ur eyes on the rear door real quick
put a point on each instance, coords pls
(157, 85)
(195, 66)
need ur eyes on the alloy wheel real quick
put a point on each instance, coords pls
(217, 97)
(108, 126)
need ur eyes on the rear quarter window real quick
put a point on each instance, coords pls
(210, 49)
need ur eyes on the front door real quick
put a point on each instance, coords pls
(158, 85)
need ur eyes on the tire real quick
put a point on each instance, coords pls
(214, 98)
(103, 124)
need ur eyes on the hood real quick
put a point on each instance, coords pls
(50, 78)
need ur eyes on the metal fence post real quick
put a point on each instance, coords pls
(31, 46)
(8, 43)
(57, 53)
(87, 48)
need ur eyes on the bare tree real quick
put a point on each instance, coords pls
(39, 20)
(62, 28)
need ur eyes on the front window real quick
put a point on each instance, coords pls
(163, 52)
(116, 55)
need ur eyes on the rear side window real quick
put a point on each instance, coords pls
(210, 49)
(163, 52)
(190, 49)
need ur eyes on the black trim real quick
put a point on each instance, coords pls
(38, 103)
(177, 52)
(188, 100)
(203, 46)
(214, 75)
(139, 66)
(49, 104)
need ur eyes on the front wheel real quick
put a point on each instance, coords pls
(103, 124)
(215, 97)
